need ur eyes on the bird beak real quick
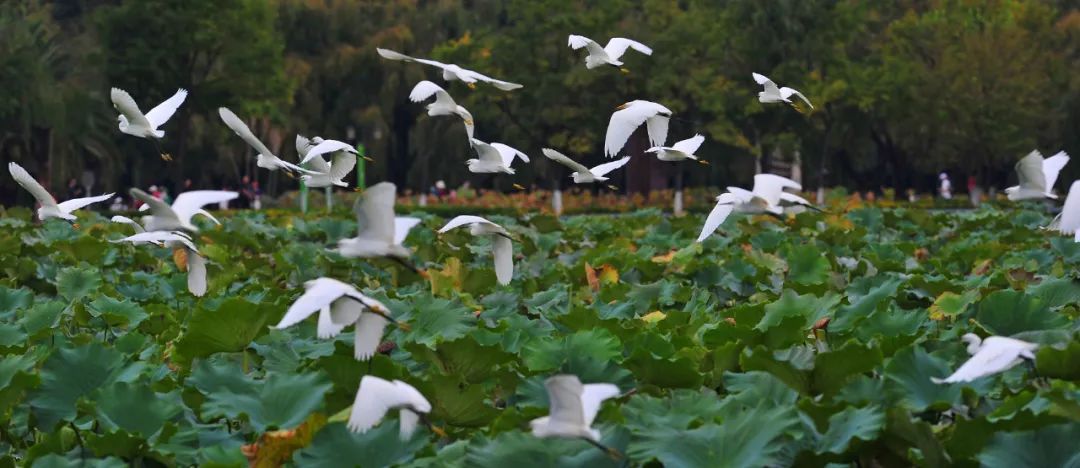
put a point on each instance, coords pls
(519, 187)
(703, 162)
(368, 159)
(624, 71)
(471, 85)
(612, 187)
(623, 106)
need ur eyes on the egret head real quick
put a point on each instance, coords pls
(973, 342)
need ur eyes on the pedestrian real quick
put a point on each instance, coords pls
(256, 195)
(945, 189)
(74, 189)
(246, 194)
(187, 186)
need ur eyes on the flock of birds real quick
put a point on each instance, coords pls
(325, 163)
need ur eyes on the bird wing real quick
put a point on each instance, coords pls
(768, 84)
(617, 46)
(792, 198)
(196, 274)
(565, 160)
(716, 217)
(628, 118)
(769, 186)
(603, 169)
(576, 42)
(327, 147)
(240, 128)
(503, 252)
(689, 145)
(156, 206)
(374, 210)
(508, 153)
(158, 237)
(188, 204)
(1029, 170)
(463, 220)
(123, 102)
(991, 358)
(319, 293)
(402, 226)
(658, 128)
(592, 396)
(488, 153)
(125, 220)
(389, 54)
(1068, 221)
(564, 396)
(786, 92)
(373, 399)
(31, 185)
(303, 145)
(503, 85)
(1052, 167)
(164, 111)
(318, 165)
(369, 330)
(343, 163)
(68, 206)
(425, 89)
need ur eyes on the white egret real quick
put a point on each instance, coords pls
(380, 233)
(1037, 176)
(451, 72)
(178, 216)
(582, 174)
(377, 396)
(494, 157)
(501, 248)
(768, 197)
(134, 122)
(443, 105)
(681, 150)
(266, 158)
(573, 408)
(771, 93)
(609, 54)
(1068, 221)
(49, 207)
(628, 117)
(342, 161)
(340, 305)
(191, 262)
(989, 356)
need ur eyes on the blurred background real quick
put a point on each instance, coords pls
(903, 89)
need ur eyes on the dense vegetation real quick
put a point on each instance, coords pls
(808, 341)
(903, 88)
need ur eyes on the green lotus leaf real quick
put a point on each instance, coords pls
(1062, 362)
(14, 299)
(135, 408)
(118, 312)
(42, 316)
(1008, 312)
(850, 424)
(76, 461)
(833, 369)
(69, 374)
(806, 265)
(749, 438)
(677, 410)
(17, 375)
(910, 369)
(380, 446)
(281, 401)
(432, 320)
(77, 282)
(1049, 446)
(230, 327)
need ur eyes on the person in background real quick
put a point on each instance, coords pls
(165, 197)
(466, 191)
(117, 204)
(74, 189)
(439, 190)
(256, 194)
(225, 204)
(974, 191)
(246, 194)
(155, 192)
(187, 186)
(945, 189)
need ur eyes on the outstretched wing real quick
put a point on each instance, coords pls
(391, 55)
(1068, 222)
(576, 42)
(1052, 167)
(592, 396)
(503, 85)
(319, 293)
(157, 207)
(369, 330)
(188, 204)
(240, 128)
(988, 360)
(628, 118)
(75, 203)
(463, 220)
(402, 226)
(343, 163)
(565, 160)
(28, 182)
(327, 147)
(164, 111)
(769, 186)
(658, 128)
(617, 46)
(768, 84)
(564, 396)
(1029, 170)
(196, 274)
(488, 153)
(603, 169)
(425, 89)
(125, 220)
(127, 107)
(786, 92)
(689, 145)
(503, 252)
(374, 210)
(716, 217)
(373, 399)
(508, 153)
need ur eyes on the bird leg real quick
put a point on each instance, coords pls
(410, 266)
(471, 85)
(519, 186)
(164, 156)
(433, 428)
(702, 161)
(613, 187)
(368, 159)
(624, 71)
(611, 452)
(382, 313)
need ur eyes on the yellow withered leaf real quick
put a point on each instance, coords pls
(590, 277)
(608, 274)
(654, 316)
(179, 257)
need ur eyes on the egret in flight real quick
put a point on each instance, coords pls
(989, 356)
(49, 207)
(628, 117)
(134, 122)
(609, 54)
(1037, 176)
(501, 248)
(771, 93)
(451, 72)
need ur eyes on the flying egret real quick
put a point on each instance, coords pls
(679, 151)
(342, 161)
(609, 54)
(768, 196)
(990, 356)
(443, 105)
(573, 408)
(192, 262)
(178, 216)
(628, 117)
(494, 157)
(340, 305)
(582, 174)
(377, 396)
(1068, 221)
(1037, 176)
(380, 233)
(501, 248)
(266, 158)
(49, 207)
(134, 122)
(451, 72)
(771, 93)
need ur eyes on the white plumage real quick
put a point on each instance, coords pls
(771, 93)
(501, 248)
(342, 161)
(990, 356)
(1037, 176)
(380, 234)
(134, 122)
(607, 55)
(451, 72)
(195, 264)
(340, 305)
(684, 149)
(628, 117)
(493, 157)
(443, 105)
(49, 207)
(266, 159)
(164, 217)
(1068, 221)
(573, 408)
(582, 174)
(377, 396)
(768, 196)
